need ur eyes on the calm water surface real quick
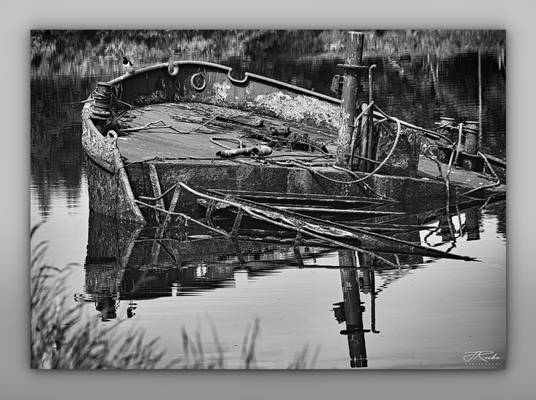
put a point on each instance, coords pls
(426, 315)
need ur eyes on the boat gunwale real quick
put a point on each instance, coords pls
(247, 77)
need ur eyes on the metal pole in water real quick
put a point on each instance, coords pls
(354, 56)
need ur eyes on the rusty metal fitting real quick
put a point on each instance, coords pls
(260, 151)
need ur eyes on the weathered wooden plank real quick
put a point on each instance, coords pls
(157, 191)
(331, 232)
(301, 197)
(155, 250)
(337, 210)
(172, 205)
(236, 225)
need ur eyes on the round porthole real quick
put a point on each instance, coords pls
(198, 81)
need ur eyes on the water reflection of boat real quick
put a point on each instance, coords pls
(126, 263)
(180, 254)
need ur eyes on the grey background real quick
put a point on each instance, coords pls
(17, 381)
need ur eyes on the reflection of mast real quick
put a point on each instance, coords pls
(351, 310)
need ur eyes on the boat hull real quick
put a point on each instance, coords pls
(115, 186)
(110, 192)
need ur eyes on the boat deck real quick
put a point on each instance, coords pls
(195, 124)
(191, 131)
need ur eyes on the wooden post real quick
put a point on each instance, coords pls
(354, 56)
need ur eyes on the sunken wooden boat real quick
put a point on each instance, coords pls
(175, 138)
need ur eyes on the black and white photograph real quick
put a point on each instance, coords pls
(268, 199)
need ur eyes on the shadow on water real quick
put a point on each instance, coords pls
(129, 264)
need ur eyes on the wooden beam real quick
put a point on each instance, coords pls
(155, 183)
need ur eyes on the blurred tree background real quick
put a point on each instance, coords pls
(55, 50)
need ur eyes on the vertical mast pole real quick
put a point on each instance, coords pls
(354, 56)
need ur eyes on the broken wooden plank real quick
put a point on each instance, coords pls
(321, 229)
(157, 191)
(172, 204)
(236, 225)
(347, 213)
(184, 216)
(323, 210)
(301, 197)
(155, 250)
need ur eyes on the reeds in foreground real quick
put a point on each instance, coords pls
(62, 339)
(195, 357)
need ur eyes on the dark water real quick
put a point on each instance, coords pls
(427, 315)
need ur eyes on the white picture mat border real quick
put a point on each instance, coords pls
(18, 381)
